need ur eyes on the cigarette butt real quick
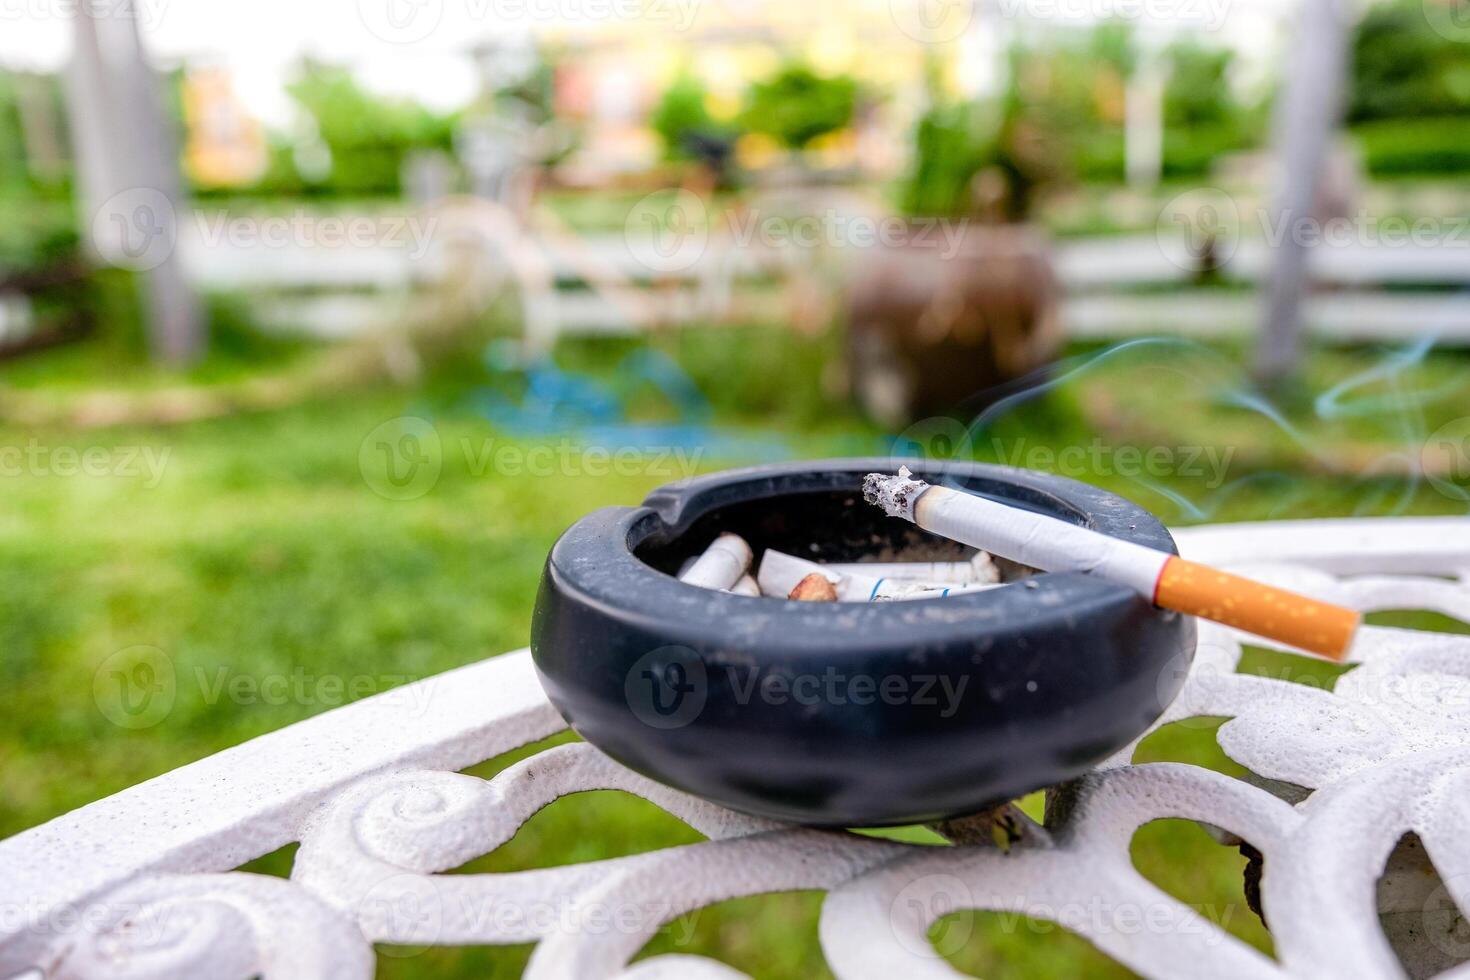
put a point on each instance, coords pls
(747, 587)
(1257, 608)
(814, 588)
(721, 566)
(979, 570)
(780, 573)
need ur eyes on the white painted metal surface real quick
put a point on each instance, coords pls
(142, 884)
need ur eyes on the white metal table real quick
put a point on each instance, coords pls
(143, 884)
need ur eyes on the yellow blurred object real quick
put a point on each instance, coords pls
(225, 146)
(837, 149)
(757, 151)
(723, 107)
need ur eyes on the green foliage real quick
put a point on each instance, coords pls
(36, 232)
(1062, 117)
(43, 94)
(1189, 151)
(1404, 69)
(951, 145)
(682, 114)
(368, 136)
(1198, 91)
(797, 105)
(1414, 147)
(12, 146)
(1111, 44)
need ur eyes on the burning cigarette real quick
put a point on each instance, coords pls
(979, 570)
(722, 566)
(781, 573)
(1167, 580)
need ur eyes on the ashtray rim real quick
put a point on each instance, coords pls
(609, 572)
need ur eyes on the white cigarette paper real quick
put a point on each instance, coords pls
(1036, 540)
(722, 566)
(979, 570)
(747, 587)
(780, 573)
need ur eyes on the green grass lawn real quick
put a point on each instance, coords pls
(256, 547)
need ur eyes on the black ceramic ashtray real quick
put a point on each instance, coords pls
(849, 714)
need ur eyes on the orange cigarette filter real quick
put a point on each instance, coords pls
(1277, 614)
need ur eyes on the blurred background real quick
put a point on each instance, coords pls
(320, 322)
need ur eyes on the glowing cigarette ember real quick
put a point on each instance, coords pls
(780, 573)
(722, 566)
(1166, 580)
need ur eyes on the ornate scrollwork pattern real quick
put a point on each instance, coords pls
(1338, 778)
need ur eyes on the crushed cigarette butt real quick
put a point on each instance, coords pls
(747, 587)
(722, 566)
(780, 573)
(814, 588)
(980, 569)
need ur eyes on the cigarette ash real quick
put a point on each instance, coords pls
(896, 495)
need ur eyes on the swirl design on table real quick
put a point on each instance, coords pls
(1338, 778)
